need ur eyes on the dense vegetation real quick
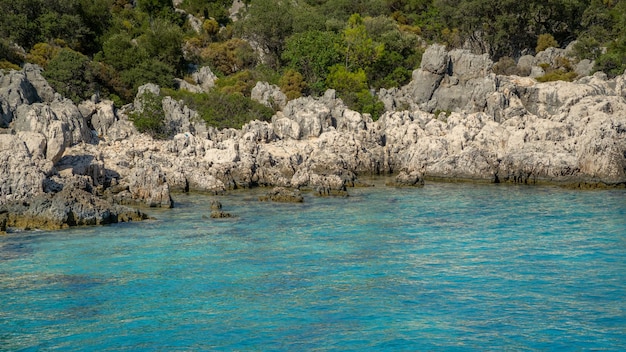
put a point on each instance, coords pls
(111, 47)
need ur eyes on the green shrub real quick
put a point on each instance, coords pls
(312, 53)
(42, 53)
(587, 47)
(613, 62)
(545, 41)
(352, 88)
(230, 57)
(151, 118)
(558, 75)
(563, 71)
(9, 54)
(292, 84)
(369, 104)
(505, 66)
(240, 82)
(70, 74)
(223, 110)
(5, 65)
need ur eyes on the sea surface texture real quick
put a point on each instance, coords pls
(444, 267)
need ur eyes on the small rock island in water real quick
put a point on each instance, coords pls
(65, 164)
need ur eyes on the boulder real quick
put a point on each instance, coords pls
(178, 117)
(15, 90)
(465, 66)
(88, 165)
(422, 87)
(103, 118)
(435, 60)
(21, 172)
(41, 119)
(39, 83)
(620, 85)
(549, 56)
(584, 67)
(269, 95)
(35, 143)
(408, 179)
(216, 205)
(285, 128)
(312, 115)
(141, 91)
(148, 185)
(205, 78)
(525, 63)
(66, 111)
(181, 84)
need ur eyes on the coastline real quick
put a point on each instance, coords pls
(17, 223)
(85, 164)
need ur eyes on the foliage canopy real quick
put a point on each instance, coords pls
(111, 47)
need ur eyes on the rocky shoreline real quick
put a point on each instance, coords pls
(63, 164)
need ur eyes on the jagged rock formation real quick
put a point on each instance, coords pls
(269, 95)
(455, 120)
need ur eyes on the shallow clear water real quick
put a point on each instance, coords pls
(448, 266)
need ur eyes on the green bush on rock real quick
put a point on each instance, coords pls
(223, 110)
(150, 118)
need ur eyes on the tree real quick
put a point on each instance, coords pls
(343, 9)
(312, 53)
(268, 23)
(217, 9)
(70, 74)
(359, 50)
(307, 18)
(18, 22)
(120, 52)
(149, 71)
(401, 54)
(163, 41)
(613, 62)
(154, 7)
(508, 27)
(230, 57)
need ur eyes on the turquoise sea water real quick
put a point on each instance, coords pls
(445, 267)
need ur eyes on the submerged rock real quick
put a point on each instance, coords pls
(218, 214)
(283, 195)
(70, 207)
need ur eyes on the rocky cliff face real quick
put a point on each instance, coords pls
(455, 120)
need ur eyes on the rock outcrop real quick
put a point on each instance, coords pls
(455, 120)
(75, 205)
(269, 95)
